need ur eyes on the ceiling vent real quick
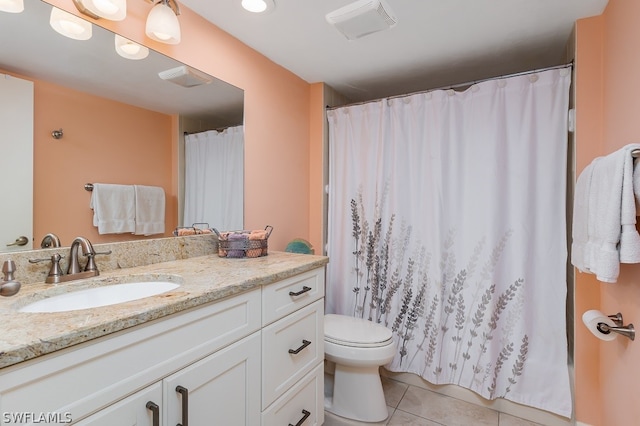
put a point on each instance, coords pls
(185, 76)
(362, 17)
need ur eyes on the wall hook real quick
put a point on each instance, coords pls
(57, 134)
(627, 330)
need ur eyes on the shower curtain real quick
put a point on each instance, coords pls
(447, 225)
(214, 178)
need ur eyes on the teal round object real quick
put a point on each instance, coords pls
(299, 246)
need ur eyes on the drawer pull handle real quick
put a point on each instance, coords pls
(185, 405)
(298, 293)
(305, 343)
(305, 416)
(155, 410)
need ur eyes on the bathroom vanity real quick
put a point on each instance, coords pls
(240, 342)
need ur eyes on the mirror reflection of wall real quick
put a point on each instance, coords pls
(121, 122)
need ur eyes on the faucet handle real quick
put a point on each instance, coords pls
(55, 272)
(91, 264)
(9, 286)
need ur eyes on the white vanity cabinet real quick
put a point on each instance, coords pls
(249, 359)
(219, 388)
(107, 379)
(293, 351)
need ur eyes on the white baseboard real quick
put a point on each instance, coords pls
(582, 424)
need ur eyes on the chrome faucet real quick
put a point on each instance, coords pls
(9, 286)
(74, 272)
(50, 240)
(87, 250)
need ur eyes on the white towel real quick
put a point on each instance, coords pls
(113, 208)
(580, 231)
(605, 199)
(149, 210)
(629, 238)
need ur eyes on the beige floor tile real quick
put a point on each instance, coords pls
(509, 420)
(331, 419)
(393, 391)
(446, 410)
(400, 418)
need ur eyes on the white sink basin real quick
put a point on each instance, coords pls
(100, 296)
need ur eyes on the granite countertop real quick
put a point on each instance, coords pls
(202, 280)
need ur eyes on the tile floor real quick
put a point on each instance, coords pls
(414, 406)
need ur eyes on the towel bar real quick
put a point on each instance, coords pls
(88, 187)
(635, 153)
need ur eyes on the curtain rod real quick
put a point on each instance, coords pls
(218, 129)
(470, 83)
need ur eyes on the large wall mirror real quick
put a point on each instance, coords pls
(33, 51)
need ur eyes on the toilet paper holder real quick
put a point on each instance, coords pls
(620, 328)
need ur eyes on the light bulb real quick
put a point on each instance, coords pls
(11, 6)
(258, 6)
(113, 10)
(106, 6)
(162, 24)
(255, 6)
(130, 49)
(69, 25)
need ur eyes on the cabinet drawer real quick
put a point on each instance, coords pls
(86, 378)
(286, 296)
(306, 396)
(291, 347)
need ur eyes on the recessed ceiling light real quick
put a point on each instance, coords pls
(258, 6)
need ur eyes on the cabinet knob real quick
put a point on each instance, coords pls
(185, 405)
(155, 410)
(305, 415)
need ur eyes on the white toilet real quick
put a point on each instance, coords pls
(358, 348)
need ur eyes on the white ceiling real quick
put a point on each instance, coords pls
(435, 43)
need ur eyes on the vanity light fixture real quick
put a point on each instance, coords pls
(113, 10)
(70, 25)
(258, 6)
(162, 22)
(129, 49)
(11, 6)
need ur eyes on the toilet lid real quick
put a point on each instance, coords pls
(352, 331)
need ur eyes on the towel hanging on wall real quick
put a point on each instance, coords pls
(604, 216)
(149, 210)
(113, 208)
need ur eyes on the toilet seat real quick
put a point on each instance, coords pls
(355, 332)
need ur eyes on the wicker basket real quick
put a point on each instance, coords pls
(239, 244)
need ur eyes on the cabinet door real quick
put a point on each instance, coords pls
(221, 389)
(131, 411)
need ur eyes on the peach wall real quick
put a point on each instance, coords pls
(608, 62)
(316, 182)
(588, 135)
(277, 118)
(129, 146)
